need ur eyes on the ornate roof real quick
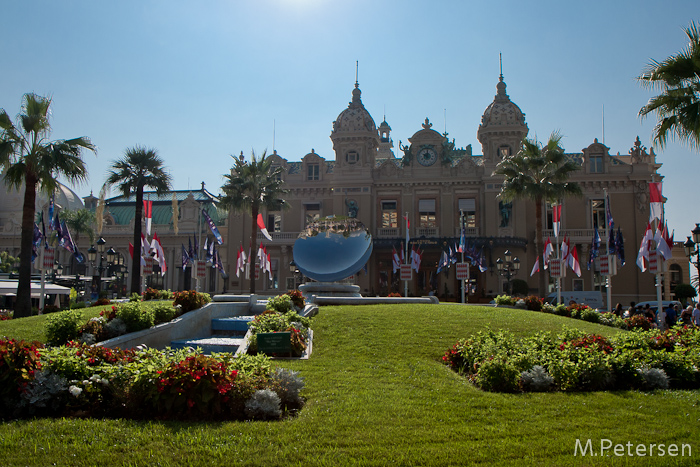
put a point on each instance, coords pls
(502, 111)
(355, 117)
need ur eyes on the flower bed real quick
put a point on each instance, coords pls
(576, 361)
(282, 315)
(79, 380)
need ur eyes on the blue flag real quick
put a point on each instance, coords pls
(595, 247)
(612, 244)
(620, 247)
(185, 257)
(212, 227)
(51, 221)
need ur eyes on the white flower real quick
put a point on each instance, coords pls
(75, 390)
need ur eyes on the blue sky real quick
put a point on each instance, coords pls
(200, 81)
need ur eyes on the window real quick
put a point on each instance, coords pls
(549, 217)
(274, 222)
(278, 177)
(352, 157)
(390, 216)
(504, 151)
(598, 213)
(596, 163)
(426, 213)
(312, 212)
(312, 172)
(468, 208)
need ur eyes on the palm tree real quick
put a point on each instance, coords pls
(80, 221)
(140, 167)
(539, 173)
(678, 105)
(28, 158)
(251, 186)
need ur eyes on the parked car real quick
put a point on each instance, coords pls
(665, 303)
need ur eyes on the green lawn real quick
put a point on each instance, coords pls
(377, 394)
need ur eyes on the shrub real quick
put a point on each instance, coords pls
(164, 312)
(638, 322)
(63, 327)
(156, 294)
(135, 316)
(287, 385)
(101, 301)
(497, 375)
(548, 308)
(505, 300)
(270, 321)
(264, 405)
(190, 300)
(536, 379)
(50, 309)
(19, 360)
(194, 387)
(95, 327)
(115, 327)
(590, 315)
(46, 395)
(297, 298)
(135, 297)
(78, 305)
(654, 378)
(280, 304)
(533, 302)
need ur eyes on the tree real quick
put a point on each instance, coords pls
(140, 167)
(678, 105)
(28, 158)
(251, 186)
(539, 173)
(684, 292)
(80, 221)
(7, 261)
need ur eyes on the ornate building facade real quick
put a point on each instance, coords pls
(430, 184)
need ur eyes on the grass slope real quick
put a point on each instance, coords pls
(378, 395)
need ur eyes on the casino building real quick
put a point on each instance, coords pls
(431, 181)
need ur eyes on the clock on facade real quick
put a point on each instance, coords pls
(427, 156)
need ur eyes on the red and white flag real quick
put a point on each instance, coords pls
(263, 229)
(536, 267)
(565, 249)
(148, 214)
(656, 202)
(160, 254)
(664, 243)
(548, 250)
(573, 261)
(556, 219)
(395, 259)
(416, 257)
(644, 248)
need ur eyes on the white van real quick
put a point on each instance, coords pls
(592, 299)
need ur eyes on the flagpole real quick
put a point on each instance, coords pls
(608, 282)
(561, 266)
(461, 226)
(405, 283)
(659, 263)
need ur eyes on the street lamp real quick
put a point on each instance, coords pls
(692, 247)
(508, 268)
(92, 257)
(295, 272)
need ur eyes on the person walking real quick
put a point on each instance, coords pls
(696, 315)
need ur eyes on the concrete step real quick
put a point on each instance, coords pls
(237, 325)
(210, 344)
